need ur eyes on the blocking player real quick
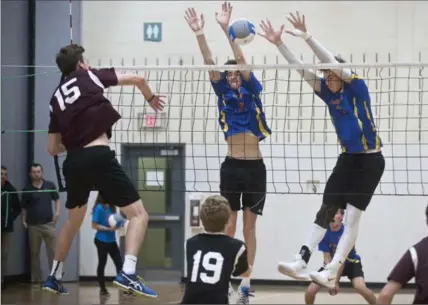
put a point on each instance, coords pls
(359, 167)
(352, 268)
(413, 264)
(212, 257)
(243, 172)
(81, 120)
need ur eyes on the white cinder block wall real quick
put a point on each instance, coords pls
(113, 34)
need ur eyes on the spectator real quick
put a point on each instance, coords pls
(39, 218)
(10, 209)
(105, 240)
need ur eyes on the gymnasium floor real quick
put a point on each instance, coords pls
(171, 294)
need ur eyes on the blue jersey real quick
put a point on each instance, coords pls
(330, 241)
(352, 116)
(100, 216)
(241, 111)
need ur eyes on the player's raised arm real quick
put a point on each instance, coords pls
(324, 55)
(197, 26)
(223, 20)
(155, 101)
(274, 36)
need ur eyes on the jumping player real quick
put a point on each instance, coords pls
(241, 117)
(81, 120)
(352, 268)
(243, 172)
(359, 167)
(413, 264)
(212, 257)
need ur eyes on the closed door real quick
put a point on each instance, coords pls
(158, 174)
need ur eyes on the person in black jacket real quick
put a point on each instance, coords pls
(10, 209)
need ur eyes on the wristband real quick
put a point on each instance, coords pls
(151, 98)
(199, 33)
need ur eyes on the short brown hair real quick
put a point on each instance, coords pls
(68, 58)
(215, 213)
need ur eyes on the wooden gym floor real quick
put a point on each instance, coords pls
(169, 293)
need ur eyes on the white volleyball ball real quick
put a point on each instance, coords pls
(242, 31)
(116, 220)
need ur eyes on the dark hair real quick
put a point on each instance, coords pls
(230, 62)
(68, 58)
(34, 164)
(4, 167)
(101, 200)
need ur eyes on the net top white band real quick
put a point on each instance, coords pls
(316, 66)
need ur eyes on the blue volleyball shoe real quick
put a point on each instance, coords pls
(135, 284)
(55, 286)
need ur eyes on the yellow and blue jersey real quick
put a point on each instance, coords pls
(241, 111)
(352, 116)
(330, 241)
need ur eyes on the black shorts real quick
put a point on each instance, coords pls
(354, 180)
(246, 178)
(352, 270)
(96, 168)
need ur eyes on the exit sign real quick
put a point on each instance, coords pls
(152, 120)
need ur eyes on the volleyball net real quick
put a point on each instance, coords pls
(303, 147)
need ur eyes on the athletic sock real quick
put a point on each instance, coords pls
(130, 264)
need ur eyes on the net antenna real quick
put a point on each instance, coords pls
(56, 160)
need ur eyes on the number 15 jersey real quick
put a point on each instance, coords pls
(211, 261)
(78, 109)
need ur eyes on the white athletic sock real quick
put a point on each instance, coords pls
(130, 264)
(246, 282)
(57, 269)
(348, 239)
(316, 236)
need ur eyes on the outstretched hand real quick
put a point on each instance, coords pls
(269, 33)
(298, 23)
(195, 23)
(224, 17)
(157, 103)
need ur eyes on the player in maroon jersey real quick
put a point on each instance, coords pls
(413, 264)
(81, 119)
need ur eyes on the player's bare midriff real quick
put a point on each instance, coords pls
(102, 140)
(244, 146)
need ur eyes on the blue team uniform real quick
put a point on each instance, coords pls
(352, 117)
(241, 111)
(330, 241)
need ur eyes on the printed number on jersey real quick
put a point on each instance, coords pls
(68, 93)
(212, 266)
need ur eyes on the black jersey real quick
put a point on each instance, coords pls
(211, 261)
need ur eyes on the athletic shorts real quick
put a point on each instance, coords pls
(352, 270)
(354, 180)
(96, 168)
(246, 178)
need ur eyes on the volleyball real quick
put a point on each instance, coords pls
(242, 31)
(116, 220)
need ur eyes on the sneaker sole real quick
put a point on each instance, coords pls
(133, 291)
(54, 291)
(291, 273)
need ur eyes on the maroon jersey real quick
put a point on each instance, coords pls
(78, 109)
(414, 264)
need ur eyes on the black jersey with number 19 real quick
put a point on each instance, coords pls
(211, 261)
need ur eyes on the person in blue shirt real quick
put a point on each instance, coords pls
(243, 122)
(359, 167)
(352, 268)
(105, 240)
